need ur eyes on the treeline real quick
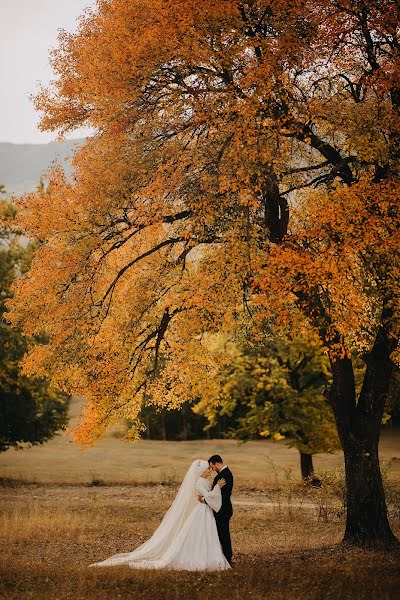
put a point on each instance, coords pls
(183, 424)
(175, 424)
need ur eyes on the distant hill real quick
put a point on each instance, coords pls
(21, 165)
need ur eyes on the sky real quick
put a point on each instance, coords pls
(28, 29)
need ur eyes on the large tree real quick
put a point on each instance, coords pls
(245, 163)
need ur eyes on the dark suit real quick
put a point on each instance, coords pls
(223, 516)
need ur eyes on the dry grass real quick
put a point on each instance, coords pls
(50, 534)
(285, 536)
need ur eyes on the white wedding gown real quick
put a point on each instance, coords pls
(187, 538)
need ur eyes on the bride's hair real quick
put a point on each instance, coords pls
(215, 458)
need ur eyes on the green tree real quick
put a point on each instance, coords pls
(31, 411)
(277, 391)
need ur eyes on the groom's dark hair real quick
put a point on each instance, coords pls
(214, 459)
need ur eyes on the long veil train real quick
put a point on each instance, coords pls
(171, 525)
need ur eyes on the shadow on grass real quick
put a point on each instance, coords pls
(328, 573)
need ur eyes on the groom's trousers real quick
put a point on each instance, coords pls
(222, 521)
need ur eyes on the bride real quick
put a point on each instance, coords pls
(187, 537)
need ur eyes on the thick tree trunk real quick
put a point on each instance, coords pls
(359, 424)
(367, 521)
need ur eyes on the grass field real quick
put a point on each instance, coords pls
(50, 534)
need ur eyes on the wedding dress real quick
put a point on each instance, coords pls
(187, 537)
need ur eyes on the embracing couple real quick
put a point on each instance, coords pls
(194, 533)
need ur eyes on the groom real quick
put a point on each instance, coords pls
(223, 516)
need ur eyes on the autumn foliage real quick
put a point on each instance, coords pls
(244, 167)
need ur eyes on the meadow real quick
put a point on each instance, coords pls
(51, 533)
(63, 508)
